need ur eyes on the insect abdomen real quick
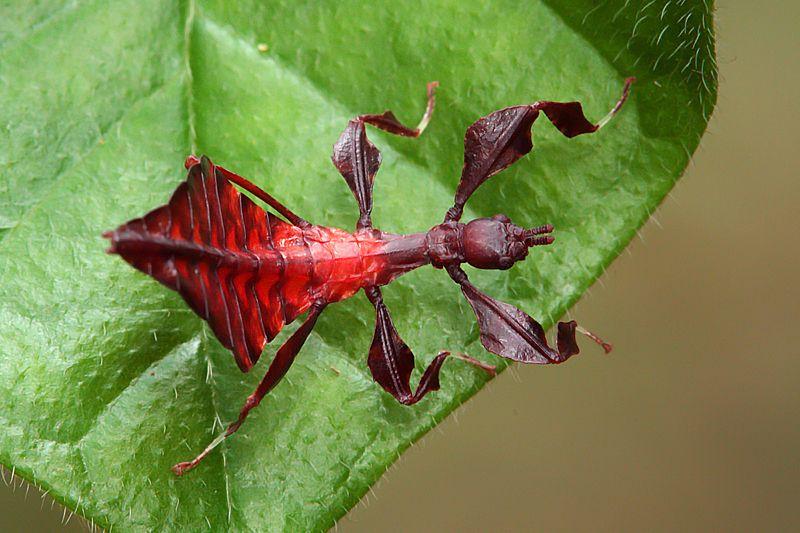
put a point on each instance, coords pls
(216, 248)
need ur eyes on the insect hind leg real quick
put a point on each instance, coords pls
(388, 122)
(255, 190)
(277, 369)
(486, 367)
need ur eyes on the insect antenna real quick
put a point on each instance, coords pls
(538, 236)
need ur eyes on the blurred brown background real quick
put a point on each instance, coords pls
(693, 423)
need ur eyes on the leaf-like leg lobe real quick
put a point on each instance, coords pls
(391, 360)
(498, 140)
(511, 333)
(358, 160)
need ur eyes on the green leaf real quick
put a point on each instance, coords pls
(107, 378)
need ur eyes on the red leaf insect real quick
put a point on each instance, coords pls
(248, 272)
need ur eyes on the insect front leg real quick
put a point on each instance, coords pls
(511, 333)
(498, 140)
(277, 369)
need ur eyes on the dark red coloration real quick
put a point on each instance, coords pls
(245, 271)
(510, 333)
(497, 140)
(358, 160)
(249, 273)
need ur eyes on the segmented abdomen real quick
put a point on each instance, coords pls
(217, 249)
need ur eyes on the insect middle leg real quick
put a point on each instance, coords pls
(386, 121)
(358, 160)
(391, 360)
(277, 369)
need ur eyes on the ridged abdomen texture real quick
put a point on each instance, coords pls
(217, 249)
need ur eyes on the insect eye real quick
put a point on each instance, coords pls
(505, 262)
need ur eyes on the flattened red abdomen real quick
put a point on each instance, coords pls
(217, 249)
